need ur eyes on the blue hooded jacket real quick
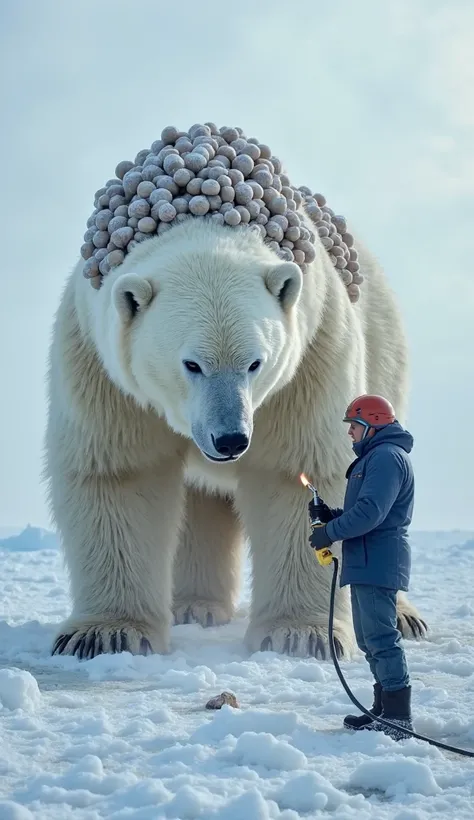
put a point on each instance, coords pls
(378, 508)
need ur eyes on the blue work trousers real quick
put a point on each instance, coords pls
(374, 615)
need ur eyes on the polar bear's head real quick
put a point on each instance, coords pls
(203, 325)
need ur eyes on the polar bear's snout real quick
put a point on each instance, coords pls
(221, 415)
(226, 447)
(231, 445)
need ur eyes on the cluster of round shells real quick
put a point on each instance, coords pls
(213, 173)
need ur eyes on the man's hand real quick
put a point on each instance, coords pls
(319, 538)
(325, 513)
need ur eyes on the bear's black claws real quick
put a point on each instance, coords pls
(210, 619)
(320, 647)
(339, 648)
(412, 625)
(416, 626)
(81, 647)
(145, 647)
(60, 644)
(78, 646)
(89, 648)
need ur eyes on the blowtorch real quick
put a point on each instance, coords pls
(323, 555)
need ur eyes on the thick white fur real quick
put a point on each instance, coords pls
(131, 491)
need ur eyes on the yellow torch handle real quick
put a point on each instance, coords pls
(323, 555)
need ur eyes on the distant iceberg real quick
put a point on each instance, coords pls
(31, 539)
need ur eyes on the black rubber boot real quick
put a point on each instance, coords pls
(396, 707)
(358, 722)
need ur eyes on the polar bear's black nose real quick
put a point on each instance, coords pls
(231, 444)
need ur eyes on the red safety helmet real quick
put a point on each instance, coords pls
(370, 411)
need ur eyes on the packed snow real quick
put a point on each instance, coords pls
(129, 738)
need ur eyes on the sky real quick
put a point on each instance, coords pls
(370, 103)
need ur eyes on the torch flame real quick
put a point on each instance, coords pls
(306, 483)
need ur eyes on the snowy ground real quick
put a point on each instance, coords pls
(129, 738)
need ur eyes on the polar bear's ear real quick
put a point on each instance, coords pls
(131, 293)
(285, 282)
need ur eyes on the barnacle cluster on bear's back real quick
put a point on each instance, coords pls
(219, 174)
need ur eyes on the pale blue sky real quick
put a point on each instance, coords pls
(370, 102)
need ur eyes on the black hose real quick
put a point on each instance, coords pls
(354, 699)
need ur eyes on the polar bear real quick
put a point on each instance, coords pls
(186, 397)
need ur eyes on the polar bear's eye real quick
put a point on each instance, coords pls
(193, 367)
(254, 366)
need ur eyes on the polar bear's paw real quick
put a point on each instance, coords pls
(411, 625)
(299, 640)
(206, 613)
(409, 621)
(86, 640)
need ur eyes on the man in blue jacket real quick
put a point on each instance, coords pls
(373, 526)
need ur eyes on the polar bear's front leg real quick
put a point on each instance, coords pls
(290, 595)
(208, 561)
(119, 535)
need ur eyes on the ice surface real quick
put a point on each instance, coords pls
(129, 738)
